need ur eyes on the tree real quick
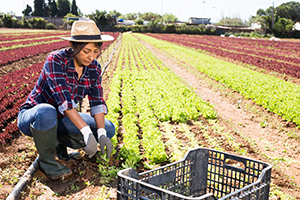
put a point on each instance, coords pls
(265, 17)
(63, 7)
(74, 8)
(116, 13)
(27, 11)
(265, 22)
(261, 12)
(153, 23)
(169, 18)
(289, 10)
(7, 21)
(38, 22)
(149, 16)
(130, 16)
(53, 10)
(39, 7)
(70, 22)
(139, 21)
(80, 14)
(282, 17)
(235, 21)
(101, 18)
(46, 10)
(24, 22)
(283, 27)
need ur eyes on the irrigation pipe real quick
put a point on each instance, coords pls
(27, 177)
(111, 55)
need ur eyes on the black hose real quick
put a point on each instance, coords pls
(26, 178)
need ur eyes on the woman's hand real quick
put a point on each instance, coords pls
(90, 141)
(104, 141)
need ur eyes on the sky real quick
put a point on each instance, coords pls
(182, 9)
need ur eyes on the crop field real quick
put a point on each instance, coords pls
(166, 94)
(15, 86)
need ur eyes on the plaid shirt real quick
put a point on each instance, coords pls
(59, 86)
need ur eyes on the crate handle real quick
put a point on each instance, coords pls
(239, 169)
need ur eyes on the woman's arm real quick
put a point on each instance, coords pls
(100, 120)
(74, 116)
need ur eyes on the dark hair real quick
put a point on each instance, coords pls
(78, 46)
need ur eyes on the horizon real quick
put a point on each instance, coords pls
(183, 10)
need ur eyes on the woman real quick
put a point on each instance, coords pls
(50, 115)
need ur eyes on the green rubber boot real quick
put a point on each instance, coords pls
(74, 141)
(45, 142)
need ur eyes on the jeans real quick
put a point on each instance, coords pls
(44, 117)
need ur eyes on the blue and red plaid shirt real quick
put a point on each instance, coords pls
(59, 86)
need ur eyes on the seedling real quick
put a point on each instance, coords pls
(81, 172)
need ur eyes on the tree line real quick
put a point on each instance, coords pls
(52, 8)
(280, 20)
(277, 21)
(63, 7)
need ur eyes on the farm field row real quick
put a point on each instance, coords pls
(281, 57)
(14, 47)
(125, 99)
(25, 34)
(276, 95)
(12, 95)
(150, 94)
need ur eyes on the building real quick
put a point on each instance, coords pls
(57, 21)
(75, 19)
(125, 22)
(296, 26)
(195, 20)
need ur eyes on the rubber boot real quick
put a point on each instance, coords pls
(45, 142)
(74, 141)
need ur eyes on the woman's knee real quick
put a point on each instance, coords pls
(44, 116)
(110, 128)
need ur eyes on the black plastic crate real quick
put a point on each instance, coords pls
(202, 174)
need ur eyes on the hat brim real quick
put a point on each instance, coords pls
(104, 38)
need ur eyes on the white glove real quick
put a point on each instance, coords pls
(104, 141)
(90, 141)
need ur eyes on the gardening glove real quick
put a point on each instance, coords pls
(104, 141)
(90, 141)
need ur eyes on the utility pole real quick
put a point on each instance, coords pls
(273, 16)
(162, 13)
(214, 14)
(203, 11)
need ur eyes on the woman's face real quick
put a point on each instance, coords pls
(87, 55)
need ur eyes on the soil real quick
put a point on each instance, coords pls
(23, 63)
(268, 142)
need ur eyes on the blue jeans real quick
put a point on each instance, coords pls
(44, 117)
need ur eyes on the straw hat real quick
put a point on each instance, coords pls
(87, 31)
